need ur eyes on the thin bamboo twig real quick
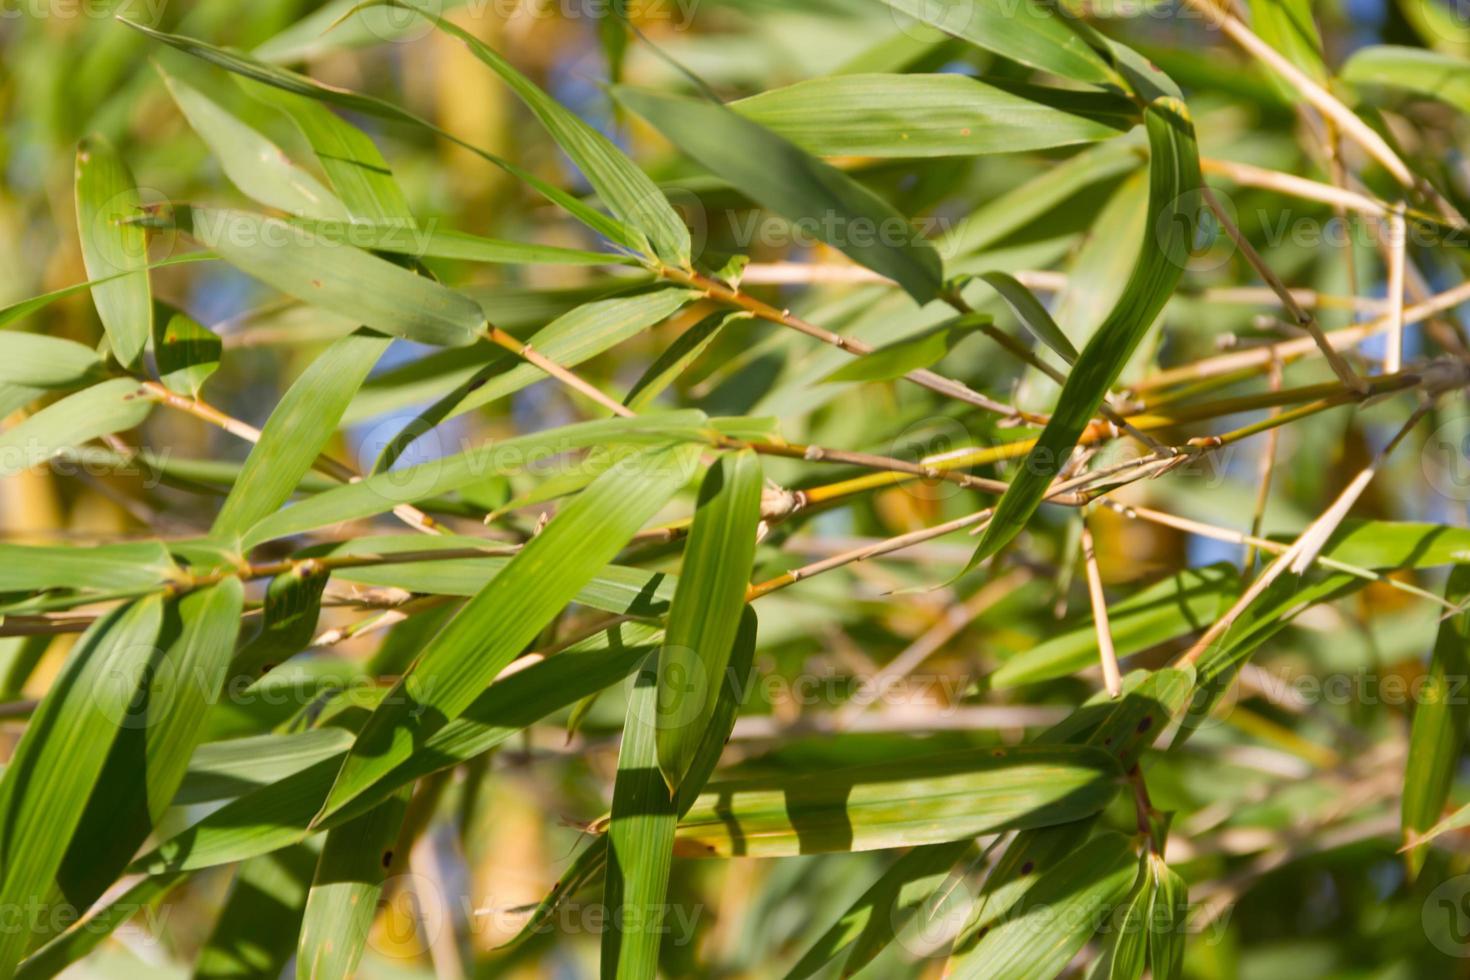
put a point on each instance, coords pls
(569, 378)
(1397, 246)
(1112, 677)
(1301, 317)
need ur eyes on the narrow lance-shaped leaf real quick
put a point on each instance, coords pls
(706, 610)
(40, 361)
(187, 352)
(906, 116)
(779, 175)
(1445, 77)
(343, 900)
(940, 798)
(293, 603)
(88, 933)
(1174, 201)
(296, 431)
(256, 931)
(1031, 313)
(1056, 916)
(1440, 717)
(336, 277)
(495, 626)
(156, 740)
(640, 843)
(1030, 32)
(624, 188)
(677, 358)
(911, 354)
(112, 406)
(114, 246)
(298, 84)
(44, 789)
(258, 167)
(1167, 921)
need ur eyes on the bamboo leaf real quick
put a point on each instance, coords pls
(24, 308)
(88, 933)
(435, 243)
(135, 565)
(255, 934)
(640, 842)
(1445, 77)
(1056, 916)
(343, 899)
(494, 626)
(1173, 204)
(706, 611)
(38, 361)
(782, 177)
(1029, 32)
(383, 491)
(1168, 921)
(1032, 314)
(296, 432)
(281, 814)
(1288, 26)
(255, 165)
(940, 798)
(336, 277)
(45, 787)
(112, 406)
(172, 692)
(113, 247)
(293, 603)
(625, 189)
(923, 350)
(1440, 717)
(187, 352)
(908, 116)
(677, 358)
(1129, 953)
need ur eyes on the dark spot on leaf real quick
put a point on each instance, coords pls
(1145, 723)
(387, 857)
(1028, 867)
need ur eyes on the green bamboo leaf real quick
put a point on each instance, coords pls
(293, 603)
(435, 243)
(1031, 313)
(343, 900)
(907, 116)
(1180, 604)
(233, 767)
(875, 918)
(38, 361)
(129, 566)
(1169, 235)
(1440, 717)
(352, 161)
(1288, 26)
(255, 165)
(383, 491)
(640, 842)
(1029, 32)
(1445, 77)
(706, 611)
(336, 277)
(19, 656)
(301, 424)
(113, 247)
(1056, 916)
(924, 349)
(625, 189)
(187, 352)
(88, 933)
(781, 176)
(1129, 953)
(289, 81)
(44, 789)
(24, 308)
(926, 801)
(677, 358)
(255, 933)
(172, 692)
(112, 406)
(1167, 921)
(495, 625)
(281, 814)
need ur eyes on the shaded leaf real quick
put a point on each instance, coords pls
(912, 353)
(114, 248)
(186, 351)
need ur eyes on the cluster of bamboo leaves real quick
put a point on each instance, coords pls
(1043, 831)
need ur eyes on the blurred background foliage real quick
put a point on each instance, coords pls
(1290, 811)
